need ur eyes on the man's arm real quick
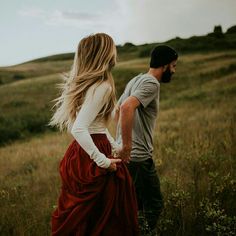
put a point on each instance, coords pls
(127, 111)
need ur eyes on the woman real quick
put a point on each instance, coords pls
(97, 195)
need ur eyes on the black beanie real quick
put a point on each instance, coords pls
(162, 55)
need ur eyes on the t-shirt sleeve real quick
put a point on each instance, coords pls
(146, 92)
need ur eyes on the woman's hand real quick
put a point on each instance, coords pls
(113, 166)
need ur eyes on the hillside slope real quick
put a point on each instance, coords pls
(26, 105)
(215, 41)
(194, 148)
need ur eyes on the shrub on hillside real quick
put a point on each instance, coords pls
(231, 30)
(23, 125)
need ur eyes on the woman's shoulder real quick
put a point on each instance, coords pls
(99, 89)
(102, 87)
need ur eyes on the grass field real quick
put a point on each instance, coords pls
(194, 146)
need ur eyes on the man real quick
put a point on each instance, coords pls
(139, 106)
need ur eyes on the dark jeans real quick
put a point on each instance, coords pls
(147, 185)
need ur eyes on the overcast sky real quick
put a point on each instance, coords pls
(31, 29)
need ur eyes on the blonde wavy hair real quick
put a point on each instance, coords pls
(93, 61)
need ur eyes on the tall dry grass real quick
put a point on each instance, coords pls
(194, 153)
(30, 184)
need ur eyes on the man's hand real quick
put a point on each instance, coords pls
(124, 154)
(113, 166)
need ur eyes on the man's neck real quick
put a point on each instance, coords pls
(156, 72)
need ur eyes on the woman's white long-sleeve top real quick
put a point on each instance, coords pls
(87, 123)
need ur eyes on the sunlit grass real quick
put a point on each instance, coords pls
(194, 149)
(30, 184)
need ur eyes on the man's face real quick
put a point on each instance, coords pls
(169, 71)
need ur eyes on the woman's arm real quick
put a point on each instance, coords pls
(115, 146)
(94, 101)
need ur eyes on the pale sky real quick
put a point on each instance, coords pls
(30, 29)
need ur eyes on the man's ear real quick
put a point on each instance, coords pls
(165, 68)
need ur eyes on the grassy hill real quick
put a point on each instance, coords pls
(25, 104)
(214, 41)
(194, 145)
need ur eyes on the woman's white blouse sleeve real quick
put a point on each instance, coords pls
(94, 101)
(115, 146)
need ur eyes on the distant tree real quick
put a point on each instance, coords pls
(128, 45)
(218, 29)
(231, 30)
(217, 33)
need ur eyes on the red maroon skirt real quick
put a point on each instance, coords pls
(94, 201)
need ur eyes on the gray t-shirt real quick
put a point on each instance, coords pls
(146, 89)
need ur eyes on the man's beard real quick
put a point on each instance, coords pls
(166, 76)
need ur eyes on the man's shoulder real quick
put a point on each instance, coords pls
(147, 78)
(142, 82)
(143, 79)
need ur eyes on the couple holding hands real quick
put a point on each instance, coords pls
(109, 188)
